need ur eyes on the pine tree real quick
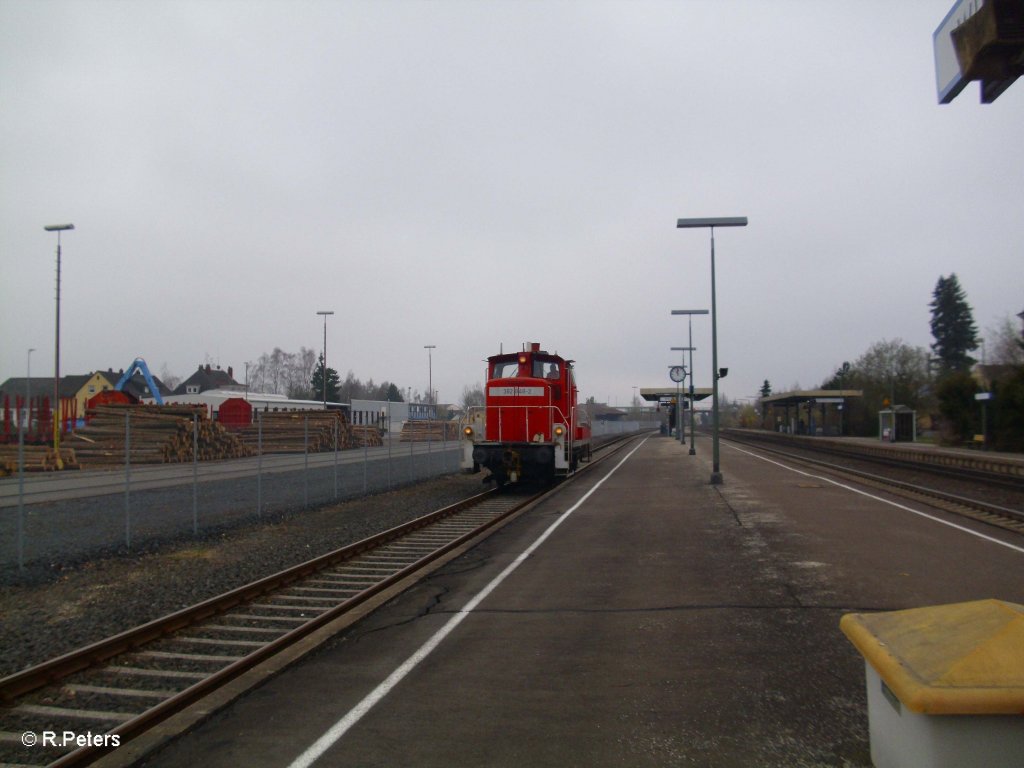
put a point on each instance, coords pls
(953, 327)
(317, 382)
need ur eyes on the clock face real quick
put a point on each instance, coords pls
(677, 373)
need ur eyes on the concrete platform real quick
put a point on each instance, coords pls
(662, 622)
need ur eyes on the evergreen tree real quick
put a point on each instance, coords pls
(333, 382)
(766, 389)
(1007, 421)
(952, 327)
(958, 407)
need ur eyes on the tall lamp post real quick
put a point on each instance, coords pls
(22, 430)
(689, 316)
(323, 380)
(28, 386)
(55, 407)
(431, 412)
(730, 221)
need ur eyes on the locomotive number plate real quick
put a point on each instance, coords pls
(515, 391)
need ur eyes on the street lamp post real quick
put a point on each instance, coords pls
(28, 388)
(711, 223)
(690, 313)
(55, 407)
(323, 378)
(431, 412)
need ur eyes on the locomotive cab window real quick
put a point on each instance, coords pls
(546, 369)
(506, 370)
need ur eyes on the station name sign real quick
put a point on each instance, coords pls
(515, 391)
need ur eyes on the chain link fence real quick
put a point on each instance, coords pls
(54, 519)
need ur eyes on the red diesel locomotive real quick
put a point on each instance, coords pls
(531, 428)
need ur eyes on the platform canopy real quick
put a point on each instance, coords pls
(661, 394)
(818, 396)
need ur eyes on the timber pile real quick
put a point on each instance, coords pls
(38, 458)
(366, 434)
(415, 431)
(286, 432)
(159, 434)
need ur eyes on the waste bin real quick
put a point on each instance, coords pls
(945, 684)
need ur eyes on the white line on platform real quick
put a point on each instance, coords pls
(884, 501)
(336, 731)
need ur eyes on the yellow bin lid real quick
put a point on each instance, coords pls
(961, 659)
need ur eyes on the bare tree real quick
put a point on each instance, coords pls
(169, 379)
(300, 369)
(889, 372)
(1003, 345)
(291, 374)
(472, 396)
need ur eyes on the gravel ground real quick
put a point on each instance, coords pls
(46, 616)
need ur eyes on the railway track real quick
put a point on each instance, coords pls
(108, 693)
(997, 514)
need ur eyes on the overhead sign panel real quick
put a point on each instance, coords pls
(948, 77)
(979, 40)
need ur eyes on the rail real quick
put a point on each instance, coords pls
(227, 635)
(983, 510)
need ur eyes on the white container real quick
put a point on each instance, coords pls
(945, 684)
(904, 739)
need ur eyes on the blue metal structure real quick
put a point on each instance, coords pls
(138, 364)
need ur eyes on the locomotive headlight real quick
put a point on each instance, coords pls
(467, 432)
(559, 431)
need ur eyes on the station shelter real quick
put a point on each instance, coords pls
(668, 397)
(807, 412)
(897, 424)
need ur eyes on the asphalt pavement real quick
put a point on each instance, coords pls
(638, 617)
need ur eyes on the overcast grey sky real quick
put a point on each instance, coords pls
(472, 174)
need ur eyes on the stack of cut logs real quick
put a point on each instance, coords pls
(287, 432)
(38, 458)
(158, 434)
(366, 434)
(414, 431)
